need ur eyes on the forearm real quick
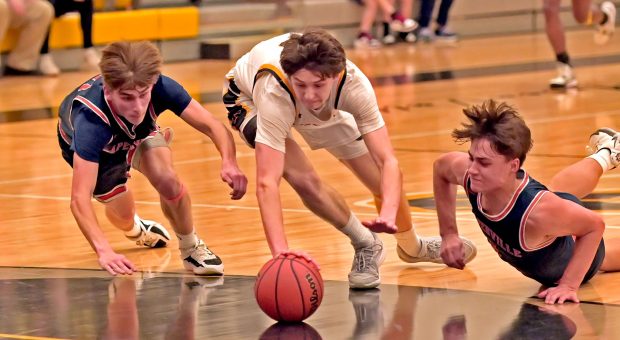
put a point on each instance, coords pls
(223, 140)
(86, 219)
(585, 249)
(391, 189)
(445, 202)
(268, 195)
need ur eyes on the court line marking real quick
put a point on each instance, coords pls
(26, 337)
(69, 174)
(392, 137)
(415, 215)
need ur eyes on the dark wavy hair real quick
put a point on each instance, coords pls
(315, 50)
(501, 125)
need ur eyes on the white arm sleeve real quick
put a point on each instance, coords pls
(276, 113)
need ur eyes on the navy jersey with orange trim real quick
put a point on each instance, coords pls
(87, 125)
(504, 231)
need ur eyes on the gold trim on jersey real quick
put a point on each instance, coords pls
(280, 77)
(341, 81)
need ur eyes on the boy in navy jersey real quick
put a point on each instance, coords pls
(107, 126)
(546, 234)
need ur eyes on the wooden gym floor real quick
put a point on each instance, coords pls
(51, 285)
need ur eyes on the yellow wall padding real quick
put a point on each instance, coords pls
(143, 24)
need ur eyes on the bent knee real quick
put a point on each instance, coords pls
(167, 184)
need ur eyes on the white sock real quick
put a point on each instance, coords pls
(187, 241)
(602, 158)
(360, 236)
(136, 230)
(408, 242)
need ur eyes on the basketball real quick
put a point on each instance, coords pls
(288, 288)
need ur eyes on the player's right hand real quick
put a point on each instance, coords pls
(452, 252)
(116, 264)
(236, 180)
(298, 253)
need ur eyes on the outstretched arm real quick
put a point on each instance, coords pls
(202, 120)
(84, 180)
(269, 170)
(380, 147)
(448, 172)
(555, 217)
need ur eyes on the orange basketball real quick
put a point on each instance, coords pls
(288, 288)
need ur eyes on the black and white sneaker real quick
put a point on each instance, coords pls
(152, 235)
(201, 260)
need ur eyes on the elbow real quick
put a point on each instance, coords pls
(76, 204)
(599, 225)
(438, 164)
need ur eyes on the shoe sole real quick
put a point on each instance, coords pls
(210, 270)
(569, 85)
(591, 148)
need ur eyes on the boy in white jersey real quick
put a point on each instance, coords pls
(546, 234)
(305, 81)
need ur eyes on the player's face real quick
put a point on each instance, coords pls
(311, 88)
(131, 104)
(488, 169)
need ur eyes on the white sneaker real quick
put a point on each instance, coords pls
(411, 37)
(605, 138)
(91, 60)
(364, 42)
(430, 251)
(365, 269)
(403, 25)
(426, 34)
(152, 234)
(605, 31)
(47, 65)
(201, 260)
(388, 39)
(565, 79)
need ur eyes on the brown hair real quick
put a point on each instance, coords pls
(501, 125)
(315, 50)
(127, 65)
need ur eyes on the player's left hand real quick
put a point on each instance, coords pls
(559, 294)
(381, 225)
(232, 175)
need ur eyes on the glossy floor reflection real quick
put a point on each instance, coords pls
(83, 304)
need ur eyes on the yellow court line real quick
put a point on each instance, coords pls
(27, 337)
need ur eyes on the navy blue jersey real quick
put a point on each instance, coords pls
(90, 127)
(505, 232)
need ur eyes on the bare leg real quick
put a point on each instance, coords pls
(368, 172)
(553, 25)
(587, 170)
(584, 8)
(121, 211)
(156, 165)
(368, 16)
(317, 196)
